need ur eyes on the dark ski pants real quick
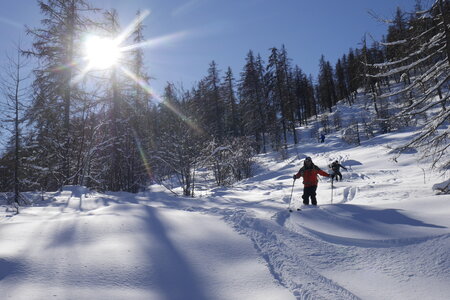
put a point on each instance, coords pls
(308, 192)
(336, 175)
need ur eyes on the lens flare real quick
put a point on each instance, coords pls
(150, 91)
(102, 53)
(143, 156)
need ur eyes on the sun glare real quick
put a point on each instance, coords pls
(101, 53)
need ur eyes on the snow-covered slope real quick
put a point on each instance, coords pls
(381, 233)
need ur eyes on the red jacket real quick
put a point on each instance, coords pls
(310, 175)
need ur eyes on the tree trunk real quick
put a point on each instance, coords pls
(446, 22)
(17, 135)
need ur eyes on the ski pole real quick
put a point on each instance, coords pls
(332, 190)
(290, 199)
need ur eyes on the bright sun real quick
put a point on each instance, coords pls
(101, 53)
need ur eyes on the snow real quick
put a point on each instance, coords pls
(385, 235)
(443, 187)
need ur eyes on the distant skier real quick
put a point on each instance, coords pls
(322, 138)
(336, 167)
(309, 172)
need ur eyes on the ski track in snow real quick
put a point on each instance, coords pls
(279, 248)
(299, 257)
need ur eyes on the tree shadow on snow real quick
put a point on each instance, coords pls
(8, 268)
(175, 278)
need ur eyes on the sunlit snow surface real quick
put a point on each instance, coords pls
(385, 236)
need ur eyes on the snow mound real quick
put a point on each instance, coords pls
(443, 187)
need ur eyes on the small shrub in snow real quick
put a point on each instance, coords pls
(350, 135)
(231, 161)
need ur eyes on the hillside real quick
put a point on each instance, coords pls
(381, 233)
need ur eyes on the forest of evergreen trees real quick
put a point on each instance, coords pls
(105, 130)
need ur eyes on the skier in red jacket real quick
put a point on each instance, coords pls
(309, 172)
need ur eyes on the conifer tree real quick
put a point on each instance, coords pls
(354, 72)
(140, 119)
(109, 168)
(289, 93)
(326, 87)
(278, 71)
(397, 32)
(54, 91)
(12, 86)
(216, 103)
(300, 94)
(341, 84)
(252, 103)
(423, 96)
(231, 117)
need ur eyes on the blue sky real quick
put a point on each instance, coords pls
(225, 31)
